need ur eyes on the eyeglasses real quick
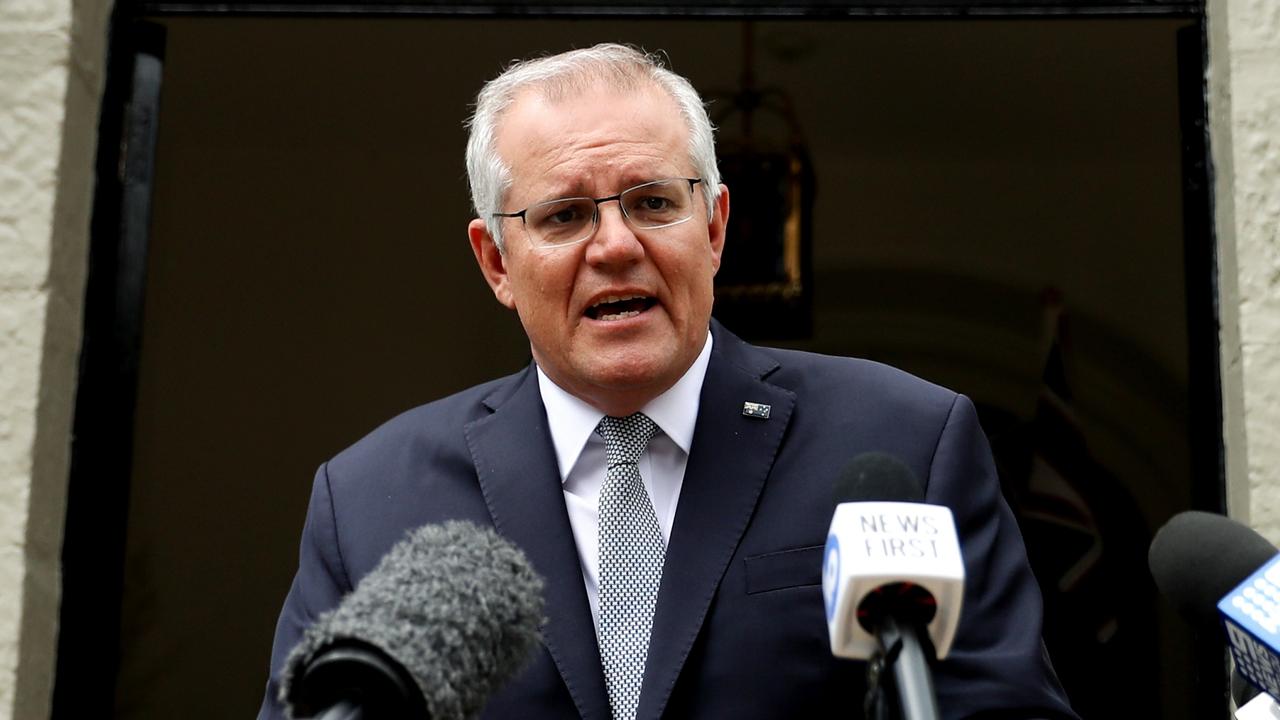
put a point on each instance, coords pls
(566, 221)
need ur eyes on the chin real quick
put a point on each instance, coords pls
(630, 373)
(624, 378)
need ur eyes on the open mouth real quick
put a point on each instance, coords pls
(620, 308)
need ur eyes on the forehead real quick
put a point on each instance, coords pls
(600, 140)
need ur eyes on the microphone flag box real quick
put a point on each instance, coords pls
(1251, 615)
(872, 545)
(1262, 707)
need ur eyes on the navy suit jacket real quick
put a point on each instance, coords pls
(739, 630)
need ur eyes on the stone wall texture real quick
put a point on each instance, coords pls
(1244, 82)
(52, 56)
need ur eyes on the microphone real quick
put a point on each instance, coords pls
(450, 613)
(1262, 707)
(1215, 570)
(893, 578)
(1199, 557)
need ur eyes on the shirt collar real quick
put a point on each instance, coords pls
(571, 420)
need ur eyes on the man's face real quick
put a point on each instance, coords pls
(597, 144)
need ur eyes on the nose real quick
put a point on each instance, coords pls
(614, 242)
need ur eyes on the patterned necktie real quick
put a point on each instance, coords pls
(631, 556)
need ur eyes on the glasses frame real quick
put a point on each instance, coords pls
(595, 215)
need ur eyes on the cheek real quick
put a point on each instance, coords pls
(694, 274)
(543, 289)
(525, 290)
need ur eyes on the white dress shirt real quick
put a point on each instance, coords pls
(580, 454)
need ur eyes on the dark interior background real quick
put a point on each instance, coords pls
(309, 277)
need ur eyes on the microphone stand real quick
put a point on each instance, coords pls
(906, 656)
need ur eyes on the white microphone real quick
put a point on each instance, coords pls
(1261, 707)
(893, 582)
(888, 554)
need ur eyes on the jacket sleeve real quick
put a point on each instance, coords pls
(320, 583)
(998, 666)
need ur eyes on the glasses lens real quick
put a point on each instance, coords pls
(559, 222)
(658, 204)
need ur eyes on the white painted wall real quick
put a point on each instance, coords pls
(51, 75)
(1244, 103)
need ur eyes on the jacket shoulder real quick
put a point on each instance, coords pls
(433, 431)
(856, 381)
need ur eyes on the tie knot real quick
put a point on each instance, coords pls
(625, 437)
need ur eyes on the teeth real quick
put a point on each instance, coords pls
(616, 298)
(608, 299)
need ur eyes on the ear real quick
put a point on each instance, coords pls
(493, 264)
(717, 226)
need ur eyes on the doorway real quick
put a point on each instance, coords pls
(997, 208)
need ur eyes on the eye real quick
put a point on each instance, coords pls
(657, 204)
(654, 203)
(562, 216)
(558, 214)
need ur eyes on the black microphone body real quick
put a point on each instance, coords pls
(349, 680)
(448, 614)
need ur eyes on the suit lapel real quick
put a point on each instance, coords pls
(730, 457)
(514, 459)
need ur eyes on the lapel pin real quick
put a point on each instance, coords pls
(756, 410)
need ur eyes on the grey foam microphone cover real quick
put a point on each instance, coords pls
(457, 606)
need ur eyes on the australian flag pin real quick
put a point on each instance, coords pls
(756, 410)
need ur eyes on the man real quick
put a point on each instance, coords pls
(681, 546)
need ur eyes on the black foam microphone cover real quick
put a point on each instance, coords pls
(877, 477)
(1199, 557)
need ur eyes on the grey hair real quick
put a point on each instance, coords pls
(560, 76)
